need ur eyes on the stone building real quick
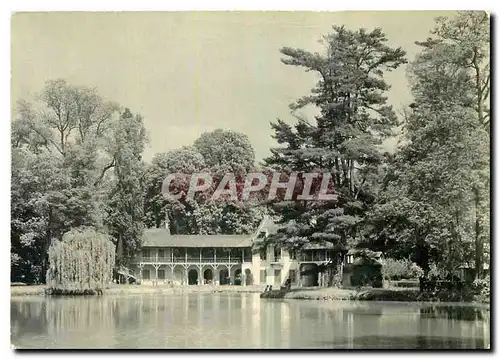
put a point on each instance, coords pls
(225, 259)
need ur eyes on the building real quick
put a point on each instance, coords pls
(224, 259)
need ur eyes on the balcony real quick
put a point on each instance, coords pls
(313, 257)
(194, 260)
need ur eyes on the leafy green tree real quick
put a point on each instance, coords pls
(223, 217)
(344, 140)
(66, 155)
(124, 208)
(442, 165)
(459, 53)
(216, 153)
(226, 151)
(40, 188)
(158, 210)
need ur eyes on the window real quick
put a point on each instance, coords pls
(349, 258)
(247, 255)
(161, 253)
(145, 274)
(145, 253)
(263, 254)
(277, 254)
(293, 254)
(161, 273)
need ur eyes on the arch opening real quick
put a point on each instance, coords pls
(193, 277)
(224, 277)
(208, 276)
(237, 276)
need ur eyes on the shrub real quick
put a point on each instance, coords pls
(435, 271)
(396, 269)
(406, 283)
(414, 271)
(481, 288)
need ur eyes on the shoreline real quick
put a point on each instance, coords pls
(129, 289)
(371, 294)
(311, 293)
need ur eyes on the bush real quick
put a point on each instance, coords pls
(481, 288)
(435, 271)
(414, 271)
(395, 269)
(406, 283)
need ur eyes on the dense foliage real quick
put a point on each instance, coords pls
(216, 153)
(83, 260)
(343, 140)
(436, 197)
(77, 161)
(394, 269)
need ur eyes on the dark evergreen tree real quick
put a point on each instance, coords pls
(343, 140)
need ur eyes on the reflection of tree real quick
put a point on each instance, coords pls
(28, 317)
(78, 313)
(467, 313)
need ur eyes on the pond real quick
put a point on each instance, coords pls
(236, 321)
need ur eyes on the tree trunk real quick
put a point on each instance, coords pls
(351, 177)
(119, 250)
(337, 173)
(477, 200)
(422, 254)
(478, 260)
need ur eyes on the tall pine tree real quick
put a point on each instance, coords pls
(343, 140)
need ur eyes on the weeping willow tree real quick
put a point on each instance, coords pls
(81, 263)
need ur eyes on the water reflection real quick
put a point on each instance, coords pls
(246, 321)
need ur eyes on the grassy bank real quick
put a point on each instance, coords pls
(373, 294)
(117, 289)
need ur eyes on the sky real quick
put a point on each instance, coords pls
(192, 72)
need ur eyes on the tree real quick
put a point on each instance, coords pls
(159, 210)
(429, 199)
(216, 153)
(460, 54)
(226, 151)
(83, 260)
(40, 192)
(225, 217)
(442, 165)
(65, 151)
(344, 140)
(124, 206)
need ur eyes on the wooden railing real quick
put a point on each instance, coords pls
(183, 259)
(313, 257)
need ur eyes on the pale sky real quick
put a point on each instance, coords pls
(192, 72)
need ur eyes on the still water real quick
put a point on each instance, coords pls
(242, 321)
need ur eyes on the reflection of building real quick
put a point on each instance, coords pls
(224, 259)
